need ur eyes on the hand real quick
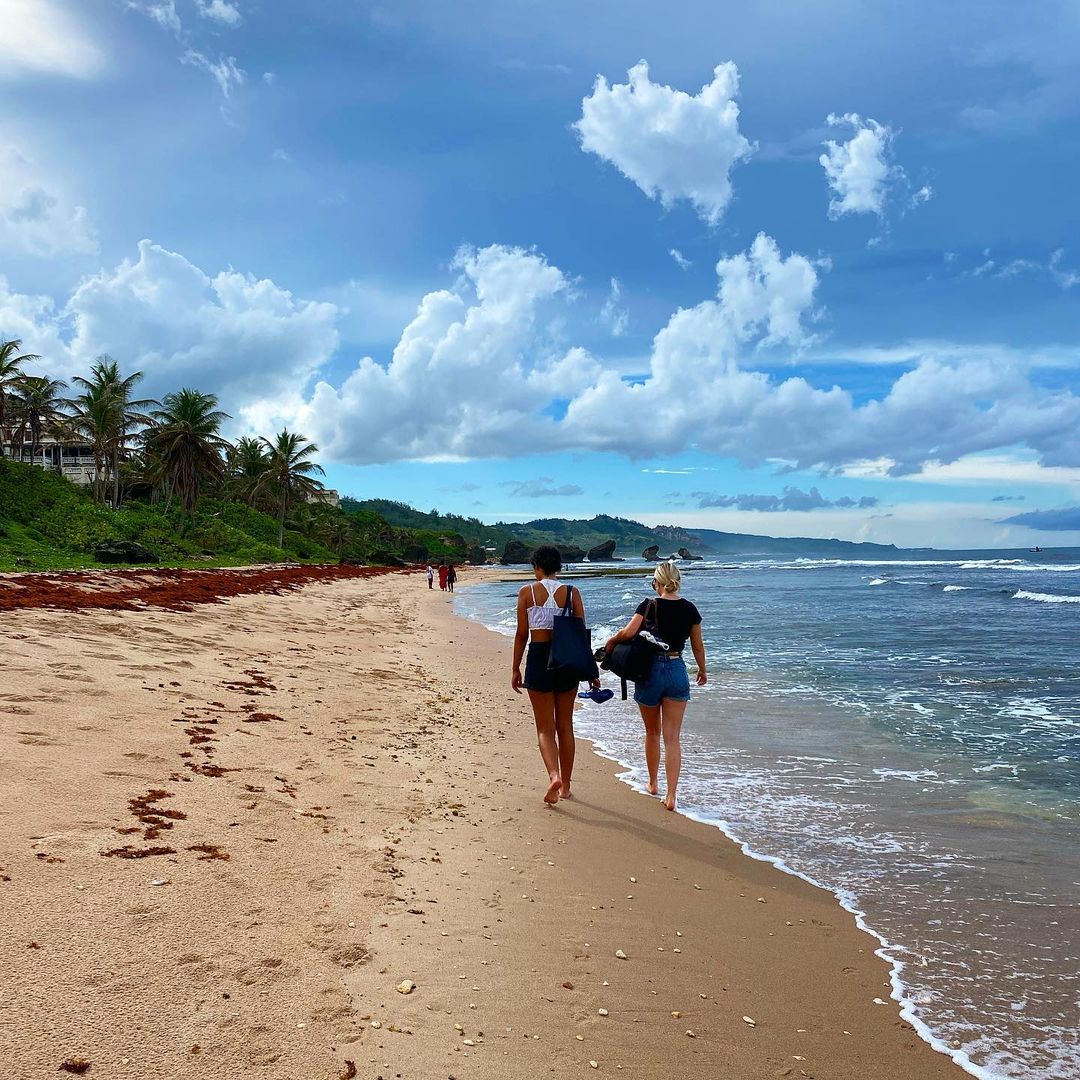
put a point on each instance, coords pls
(595, 684)
(515, 681)
(609, 644)
(702, 677)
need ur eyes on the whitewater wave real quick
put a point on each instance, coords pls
(1045, 597)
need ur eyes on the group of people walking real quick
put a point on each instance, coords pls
(668, 621)
(447, 576)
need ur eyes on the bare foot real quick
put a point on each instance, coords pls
(552, 796)
(652, 789)
(564, 793)
(669, 801)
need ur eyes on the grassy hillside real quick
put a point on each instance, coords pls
(47, 522)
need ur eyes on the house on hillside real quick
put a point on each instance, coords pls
(71, 458)
(325, 496)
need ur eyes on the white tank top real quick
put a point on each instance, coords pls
(542, 616)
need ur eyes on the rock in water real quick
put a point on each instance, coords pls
(651, 553)
(604, 552)
(123, 551)
(684, 553)
(572, 553)
(515, 553)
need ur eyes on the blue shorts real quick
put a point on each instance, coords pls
(668, 679)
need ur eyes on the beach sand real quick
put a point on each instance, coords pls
(344, 794)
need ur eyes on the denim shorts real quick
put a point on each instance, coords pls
(668, 679)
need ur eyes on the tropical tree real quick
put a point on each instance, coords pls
(92, 421)
(12, 359)
(337, 530)
(107, 415)
(39, 407)
(183, 447)
(245, 466)
(290, 474)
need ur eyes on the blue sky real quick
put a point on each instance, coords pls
(485, 282)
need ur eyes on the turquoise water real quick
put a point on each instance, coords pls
(907, 734)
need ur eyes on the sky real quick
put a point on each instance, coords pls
(793, 267)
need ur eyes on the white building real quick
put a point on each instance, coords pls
(76, 459)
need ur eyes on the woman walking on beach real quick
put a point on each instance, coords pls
(662, 698)
(552, 693)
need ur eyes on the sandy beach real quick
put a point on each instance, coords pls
(231, 836)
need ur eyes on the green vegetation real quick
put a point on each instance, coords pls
(164, 477)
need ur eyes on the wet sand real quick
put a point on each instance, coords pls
(229, 834)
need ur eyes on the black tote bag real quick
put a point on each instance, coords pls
(571, 645)
(633, 660)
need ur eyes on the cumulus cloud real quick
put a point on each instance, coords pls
(672, 144)
(35, 217)
(247, 340)
(543, 487)
(1067, 519)
(859, 171)
(792, 498)
(42, 37)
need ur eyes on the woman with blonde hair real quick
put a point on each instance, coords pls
(663, 696)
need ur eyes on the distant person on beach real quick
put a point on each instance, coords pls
(430, 576)
(451, 577)
(552, 693)
(443, 572)
(663, 697)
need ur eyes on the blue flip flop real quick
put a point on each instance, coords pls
(599, 696)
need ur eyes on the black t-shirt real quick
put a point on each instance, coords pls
(674, 618)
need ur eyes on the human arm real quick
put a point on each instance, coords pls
(521, 639)
(626, 633)
(697, 644)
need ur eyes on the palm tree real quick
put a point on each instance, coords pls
(39, 407)
(11, 373)
(245, 466)
(92, 420)
(289, 472)
(184, 445)
(108, 394)
(338, 530)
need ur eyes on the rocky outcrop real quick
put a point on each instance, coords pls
(684, 553)
(476, 555)
(515, 553)
(123, 551)
(604, 552)
(651, 553)
(572, 553)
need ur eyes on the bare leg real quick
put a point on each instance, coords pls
(564, 727)
(650, 714)
(672, 712)
(544, 713)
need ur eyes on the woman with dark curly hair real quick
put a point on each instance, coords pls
(552, 693)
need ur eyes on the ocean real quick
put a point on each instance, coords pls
(906, 734)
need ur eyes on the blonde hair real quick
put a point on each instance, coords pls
(667, 576)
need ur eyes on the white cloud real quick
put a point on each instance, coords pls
(163, 12)
(468, 377)
(35, 217)
(245, 339)
(42, 37)
(220, 11)
(223, 70)
(671, 144)
(613, 314)
(859, 171)
(681, 260)
(543, 487)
